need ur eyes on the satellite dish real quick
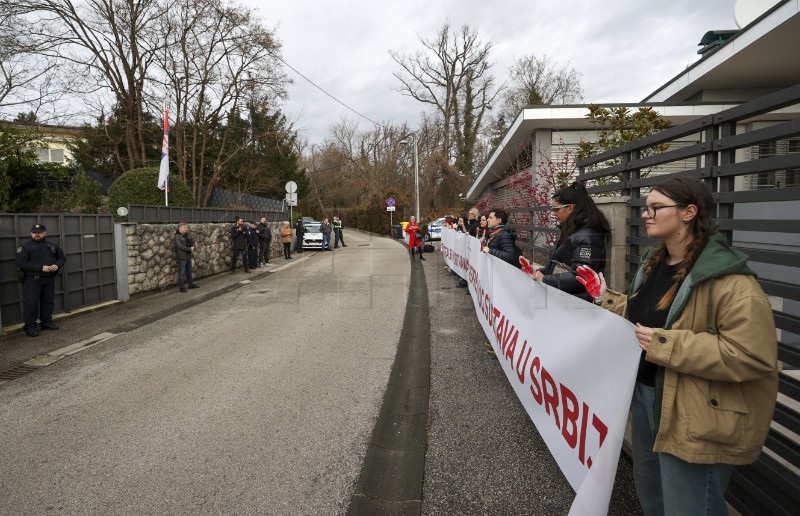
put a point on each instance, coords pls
(122, 211)
(746, 11)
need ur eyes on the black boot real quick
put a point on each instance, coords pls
(422, 258)
(411, 252)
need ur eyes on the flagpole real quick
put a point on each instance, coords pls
(166, 137)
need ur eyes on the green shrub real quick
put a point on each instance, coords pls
(138, 186)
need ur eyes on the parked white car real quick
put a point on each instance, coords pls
(312, 239)
(435, 228)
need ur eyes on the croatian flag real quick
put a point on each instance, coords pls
(163, 172)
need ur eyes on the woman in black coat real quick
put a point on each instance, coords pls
(582, 241)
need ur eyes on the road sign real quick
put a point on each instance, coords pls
(390, 201)
(390, 208)
(291, 187)
(291, 199)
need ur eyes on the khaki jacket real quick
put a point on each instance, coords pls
(719, 377)
(286, 234)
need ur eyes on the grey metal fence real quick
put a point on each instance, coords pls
(174, 214)
(762, 222)
(89, 276)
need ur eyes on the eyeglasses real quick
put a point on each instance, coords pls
(653, 210)
(556, 208)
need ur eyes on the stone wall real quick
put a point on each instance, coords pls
(151, 257)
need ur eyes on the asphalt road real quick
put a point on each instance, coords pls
(259, 394)
(257, 401)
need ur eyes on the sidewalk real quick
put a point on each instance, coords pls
(484, 453)
(82, 326)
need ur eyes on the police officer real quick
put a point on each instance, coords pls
(252, 246)
(40, 261)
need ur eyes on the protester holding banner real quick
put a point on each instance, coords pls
(472, 221)
(582, 241)
(708, 375)
(414, 238)
(500, 242)
(482, 232)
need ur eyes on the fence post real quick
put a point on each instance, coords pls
(121, 259)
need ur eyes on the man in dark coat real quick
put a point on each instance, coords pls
(326, 230)
(184, 247)
(252, 246)
(501, 241)
(264, 240)
(300, 231)
(239, 234)
(39, 261)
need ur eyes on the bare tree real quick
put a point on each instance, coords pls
(536, 81)
(452, 74)
(111, 45)
(26, 76)
(218, 59)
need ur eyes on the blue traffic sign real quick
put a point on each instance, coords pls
(390, 201)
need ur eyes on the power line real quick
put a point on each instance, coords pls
(325, 92)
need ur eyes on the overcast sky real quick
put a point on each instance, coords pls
(625, 49)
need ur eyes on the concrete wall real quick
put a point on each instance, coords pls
(616, 211)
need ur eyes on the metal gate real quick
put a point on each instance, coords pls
(89, 276)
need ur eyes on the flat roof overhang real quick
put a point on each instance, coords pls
(761, 56)
(571, 118)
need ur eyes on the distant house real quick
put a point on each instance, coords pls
(56, 142)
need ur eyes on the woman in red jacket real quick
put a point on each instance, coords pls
(414, 238)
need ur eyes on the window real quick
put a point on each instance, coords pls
(50, 155)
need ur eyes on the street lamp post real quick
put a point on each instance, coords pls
(404, 141)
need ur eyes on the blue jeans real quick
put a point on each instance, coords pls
(184, 272)
(326, 241)
(665, 484)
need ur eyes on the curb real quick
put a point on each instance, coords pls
(391, 478)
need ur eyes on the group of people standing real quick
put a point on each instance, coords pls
(251, 242)
(708, 375)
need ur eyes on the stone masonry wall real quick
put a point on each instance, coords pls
(151, 257)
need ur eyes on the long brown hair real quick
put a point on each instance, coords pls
(684, 191)
(585, 209)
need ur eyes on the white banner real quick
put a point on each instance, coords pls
(572, 364)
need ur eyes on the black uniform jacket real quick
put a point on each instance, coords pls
(32, 255)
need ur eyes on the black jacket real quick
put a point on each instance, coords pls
(239, 236)
(502, 245)
(253, 238)
(264, 233)
(472, 227)
(32, 255)
(183, 245)
(584, 247)
(299, 228)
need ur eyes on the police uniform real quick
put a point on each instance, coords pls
(38, 287)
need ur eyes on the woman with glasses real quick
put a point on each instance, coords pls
(708, 376)
(582, 241)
